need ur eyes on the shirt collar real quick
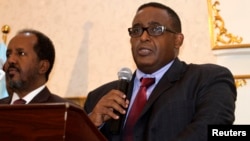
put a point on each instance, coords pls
(29, 96)
(157, 75)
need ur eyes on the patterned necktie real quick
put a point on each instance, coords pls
(19, 101)
(136, 108)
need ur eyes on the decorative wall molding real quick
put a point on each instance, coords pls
(230, 49)
(241, 80)
(5, 30)
(236, 59)
(220, 36)
(226, 46)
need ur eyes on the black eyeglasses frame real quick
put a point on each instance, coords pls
(163, 28)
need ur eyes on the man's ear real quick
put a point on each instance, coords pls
(179, 37)
(44, 66)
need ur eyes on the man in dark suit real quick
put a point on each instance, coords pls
(30, 58)
(184, 99)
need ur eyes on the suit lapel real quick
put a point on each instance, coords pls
(172, 75)
(7, 100)
(42, 96)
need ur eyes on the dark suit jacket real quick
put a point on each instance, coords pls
(45, 96)
(184, 102)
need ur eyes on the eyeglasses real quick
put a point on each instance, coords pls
(151, 30)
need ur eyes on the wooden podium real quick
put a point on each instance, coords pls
(46, 122)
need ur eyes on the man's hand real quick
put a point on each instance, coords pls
(104, 109)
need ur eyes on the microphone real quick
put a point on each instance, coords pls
(124, 76)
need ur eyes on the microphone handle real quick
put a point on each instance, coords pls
(117, 124)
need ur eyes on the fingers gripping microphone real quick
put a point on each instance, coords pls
(124, 75)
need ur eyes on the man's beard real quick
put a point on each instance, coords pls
(15, 84)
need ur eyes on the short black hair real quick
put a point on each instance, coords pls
(44, 48)
(176, 22)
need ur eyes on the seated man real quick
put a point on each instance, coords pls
(30, 58)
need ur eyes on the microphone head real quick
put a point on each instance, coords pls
(125, 74)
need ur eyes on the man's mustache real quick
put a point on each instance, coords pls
(11, 67)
